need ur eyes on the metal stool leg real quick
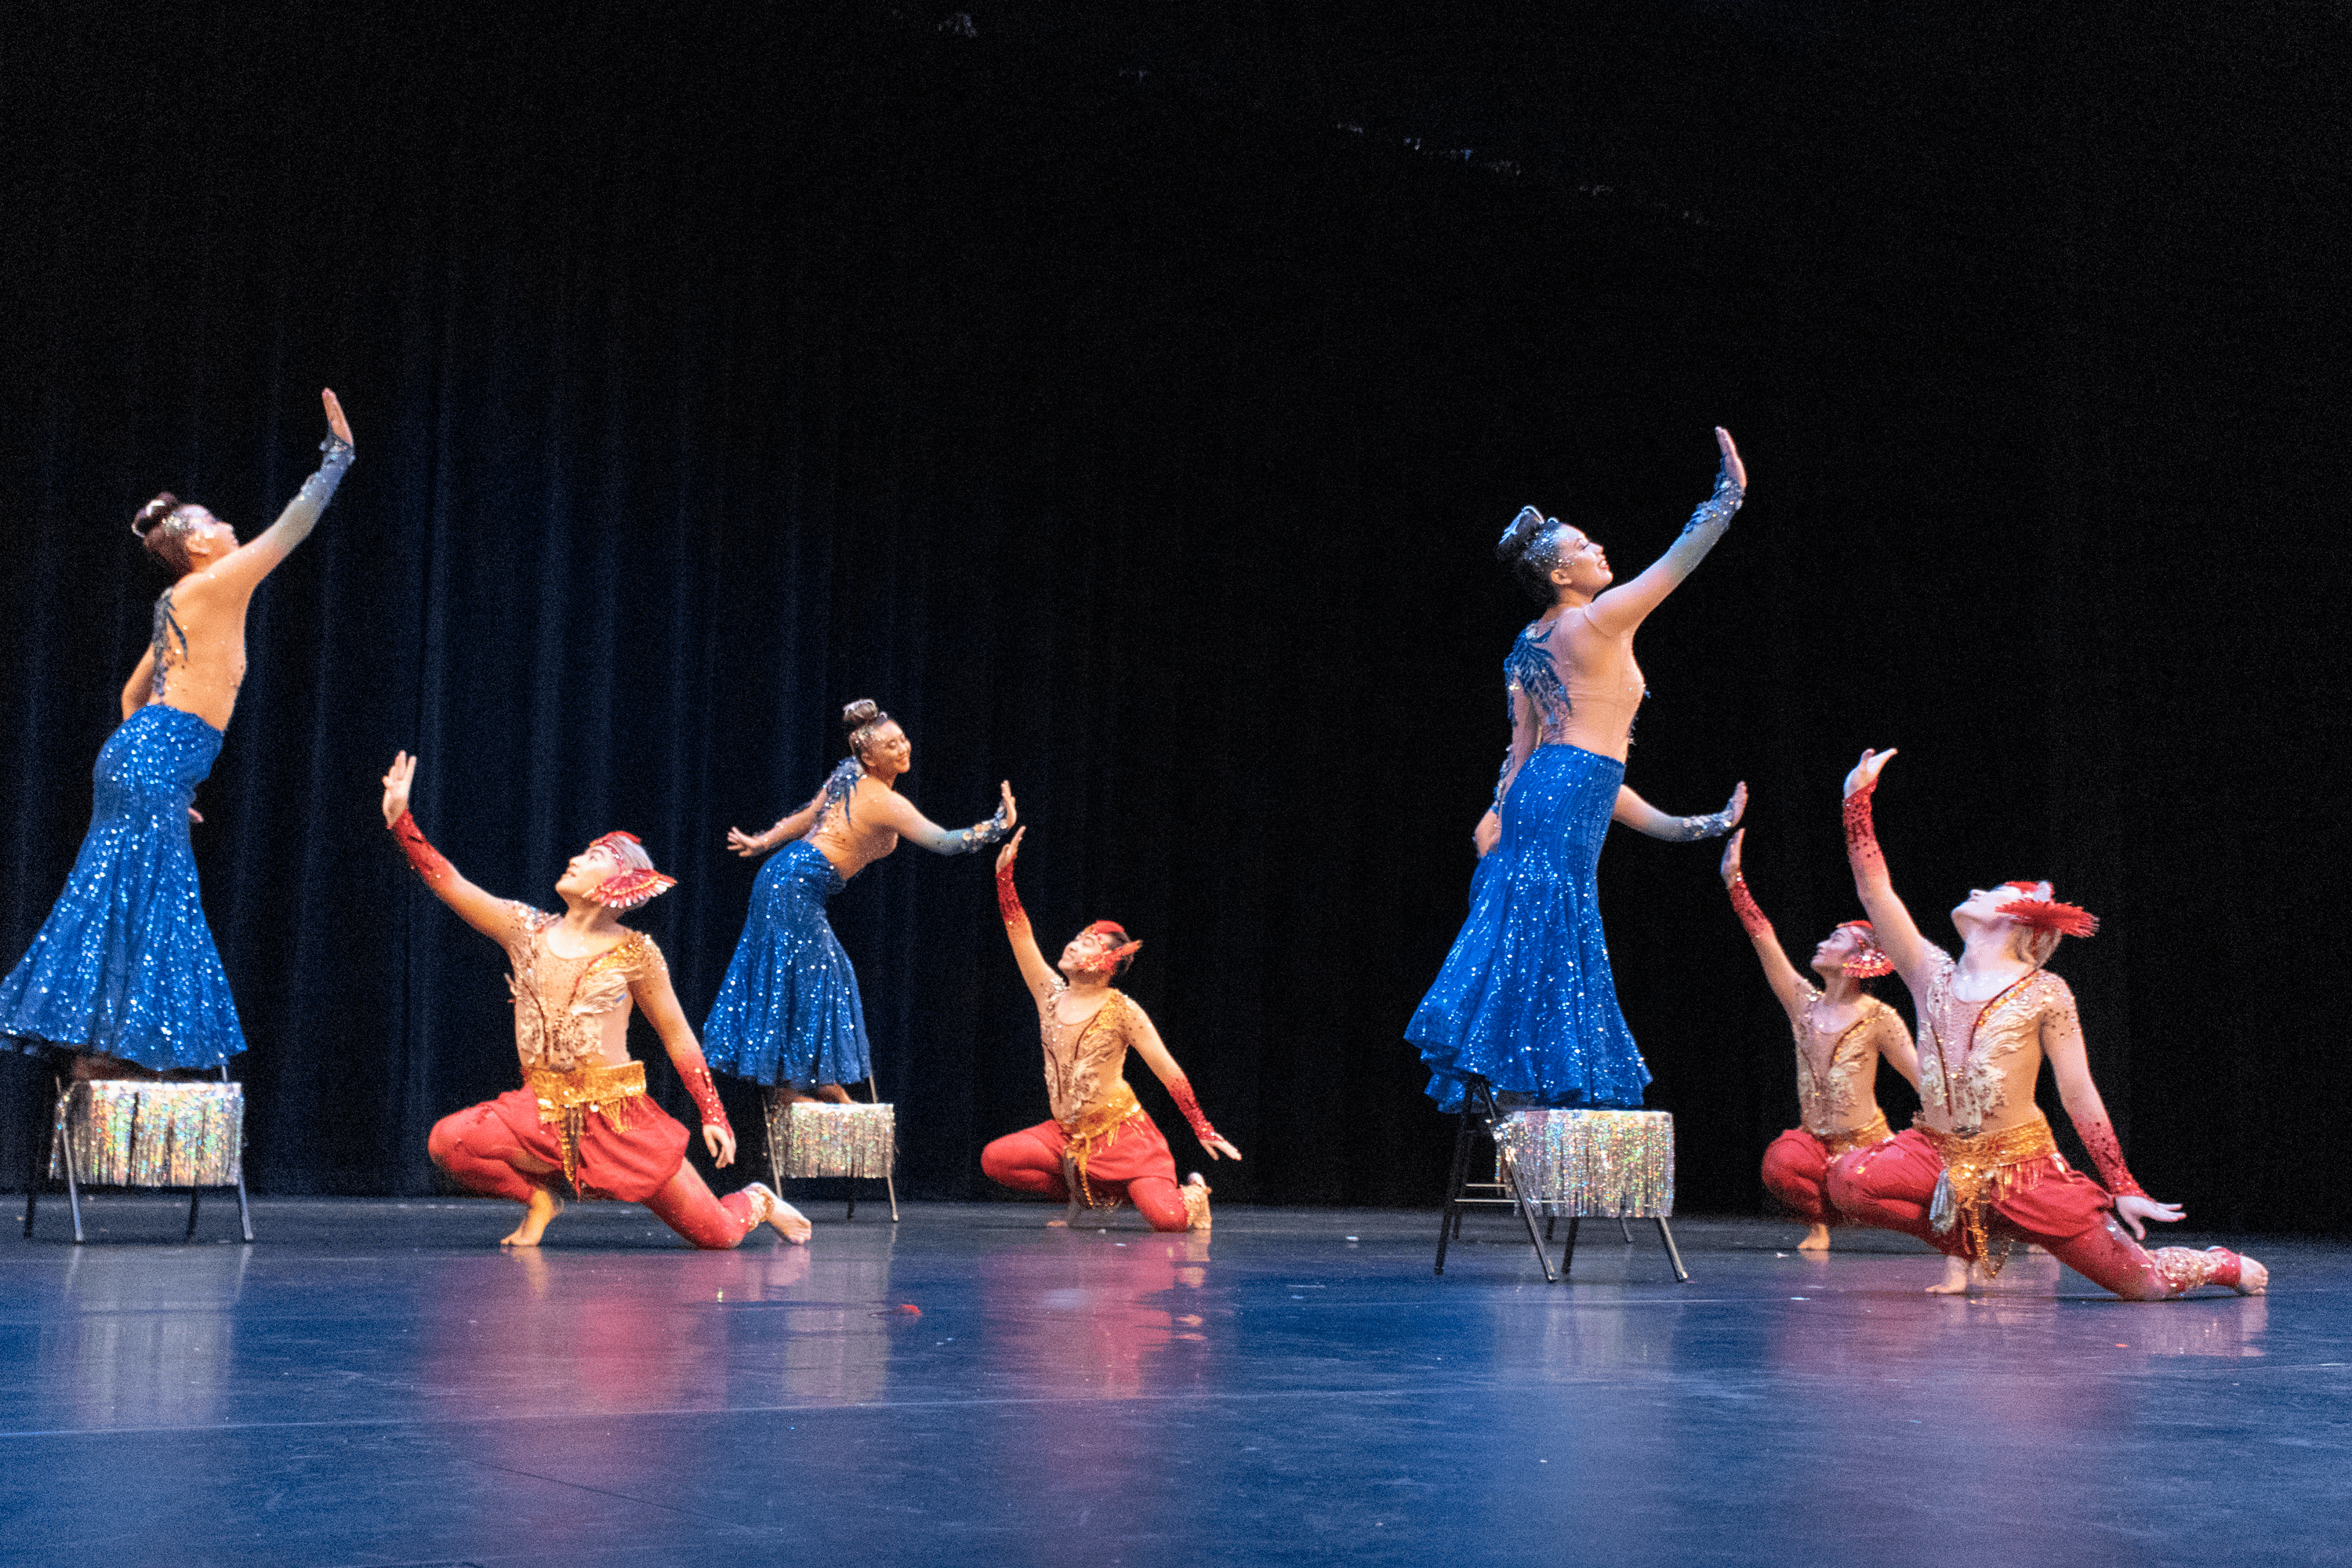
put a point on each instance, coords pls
(890, 1172)
(1510, 1172)
(196, 1196)
(38, 1171)
(1449, 1218)
(1626, 1230)
(1567, 1253)
(1666, 1234)
(73, 1179)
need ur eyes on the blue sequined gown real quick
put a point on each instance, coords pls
(788, 1011)
(125, 965)
(1526, 999)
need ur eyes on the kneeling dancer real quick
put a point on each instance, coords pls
(1978, 1168)
(1841, 1031)
(1099, 1146)
(584, 1113)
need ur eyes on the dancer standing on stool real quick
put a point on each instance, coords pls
(788, 1012)
(583, 1114)
(1100, 1146)
(1979, 1169)
(1525, 1000)
(124, 973)
(1842, 1032)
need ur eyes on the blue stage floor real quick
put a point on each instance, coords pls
(376, 1383)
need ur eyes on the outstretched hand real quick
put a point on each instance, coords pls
(2131, 1209)
(1009, 853)
(1219, 1148)
(1011, 812)
(746, 844)
(1731, 858)
(1737, 807)
(1865, 772)
(335, 420)
(1733, 468)
(720, 1142)
(397, 782)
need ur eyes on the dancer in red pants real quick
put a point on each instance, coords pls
(1978, 1168)
(583, 1114)
(1099, 1146)
(1842, 1032)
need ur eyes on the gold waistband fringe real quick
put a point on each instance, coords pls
(567, 1098)
(1869, 1135)
(1096, 1128)
(1980, 1172)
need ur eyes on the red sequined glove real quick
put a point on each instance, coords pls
(1008, 902)
(1861, 835)
(697, 1083)
(429, 862)
(1180, 1091)
(1752, 919)
(2108, 1155)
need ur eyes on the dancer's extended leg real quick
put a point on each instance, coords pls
(1156, 1199)
(482, 1154)
(685, 1204)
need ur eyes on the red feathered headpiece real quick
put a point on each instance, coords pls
(1870, 961)
(1109, 957)
(2043, 914)
(637, 880)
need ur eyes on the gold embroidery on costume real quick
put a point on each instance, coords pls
(1971, 1087)
(1982, 1171)
(1831, 1097)
(1079, 1056)
(1095, 1130)
(567, 1098)
(1869, 1135)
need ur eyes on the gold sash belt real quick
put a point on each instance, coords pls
(1980, 1172)
(1096, 1128)
(1869, 1135)
(567, 1098)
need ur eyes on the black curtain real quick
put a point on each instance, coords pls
(1128, 401)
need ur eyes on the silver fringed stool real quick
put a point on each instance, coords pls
(147, 1132)
(820, 1138)
(1594, 1164)
(1510, 1187)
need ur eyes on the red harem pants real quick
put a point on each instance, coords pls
(645, 1164)
(1891, 1187)
(1134, 1162)
(1797, 1167)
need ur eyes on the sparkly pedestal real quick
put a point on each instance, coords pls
(808, 1139)
(134, 1132)
(1618, 1164)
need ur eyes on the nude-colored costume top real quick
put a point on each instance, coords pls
(1976, 1071)
(1084, 1061)
(1589, 703)
(572, 1013)
(1844, 1095)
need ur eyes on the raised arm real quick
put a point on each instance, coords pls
(1145, 1041)
(1779, 972)
(791, 825)
(1035, 972)
(142, 684)
(651, 987)
(1898, 934)
(2061, 1046)
(1617, 611)
(238, 573)
(1643, 817)
(492, 916)
(900, 815)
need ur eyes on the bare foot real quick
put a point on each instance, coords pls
(2253, 1277)
(1196, 1201)
(1817, 1239)
(544, 1206)
(770, 1209)
(1955, 1281)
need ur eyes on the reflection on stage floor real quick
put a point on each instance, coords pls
(376, 1383)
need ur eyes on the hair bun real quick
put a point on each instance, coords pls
(1520, 534)
(860, 713)
(153, 512)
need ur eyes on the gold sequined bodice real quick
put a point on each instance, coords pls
(1084, 1061)
(1837, 1079)
(1977, 1060)
(572, 1012)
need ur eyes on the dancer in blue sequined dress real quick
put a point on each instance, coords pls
(788, 1013)
(1525, 1000)
(124, 970)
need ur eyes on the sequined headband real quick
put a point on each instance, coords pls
(629, 886)
(1870, 961)
(1110, 957)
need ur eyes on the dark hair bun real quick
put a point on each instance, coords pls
(153, 512)
(860, 713)
(1520, 534)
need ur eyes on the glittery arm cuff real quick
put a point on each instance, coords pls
(320, 488)
(1008, 900)
(1752, 919)
(1715, 512)
(1180, 1089)
(1684, 829)
(987, 835)
(1862, 849)
(2108, 1154)
(430, 863)
(697, 1083)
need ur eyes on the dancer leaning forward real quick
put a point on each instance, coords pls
(1100, 1146)
(1979, 1170)
(584, 1115)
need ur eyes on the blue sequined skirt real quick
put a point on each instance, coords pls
(788, 1011)
(1526, 999)
(125, 965)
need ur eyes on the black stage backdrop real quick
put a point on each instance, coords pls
(1127, 400)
